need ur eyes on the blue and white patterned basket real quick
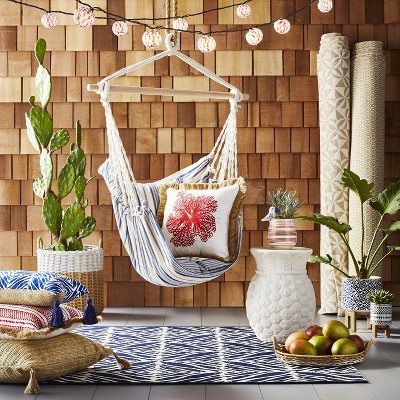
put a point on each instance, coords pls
(381, 314)
(355, 292)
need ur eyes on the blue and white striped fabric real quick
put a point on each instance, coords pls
(145, 243)
(32, 280)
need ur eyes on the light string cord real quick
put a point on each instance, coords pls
(138, 21)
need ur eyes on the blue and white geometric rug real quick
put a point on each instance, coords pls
(196, 355)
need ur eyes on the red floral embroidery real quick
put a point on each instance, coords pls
(192, 217)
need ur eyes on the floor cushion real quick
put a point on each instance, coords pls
(38, 360)
(32, 322)
(38, 288)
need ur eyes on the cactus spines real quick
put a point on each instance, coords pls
(88, 227)
(52, 213)
(42, 124)
(80, 185)
(66, 181)
(39, 188)
(46, 168)
(59, 140)
(31, 134)
(73, 219)
(77, 159)
(40, 50)
(70, 226)
(74, 244)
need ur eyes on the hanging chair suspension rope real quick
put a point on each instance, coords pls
(223, 157)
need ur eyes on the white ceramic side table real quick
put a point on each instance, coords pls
(281, 298)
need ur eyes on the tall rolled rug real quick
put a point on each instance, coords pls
(333, 64)
(367, 133)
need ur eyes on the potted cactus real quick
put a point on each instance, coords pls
(381, 307)
(68, 224)
(282, 232)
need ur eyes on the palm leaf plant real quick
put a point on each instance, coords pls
(386, 203)
(67, 226)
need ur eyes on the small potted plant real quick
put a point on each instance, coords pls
(381, 307)
(355, 289)
(68, 224)
(282, 232)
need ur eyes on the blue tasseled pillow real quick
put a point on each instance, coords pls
(38, 288)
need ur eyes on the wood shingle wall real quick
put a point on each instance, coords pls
(278, 128)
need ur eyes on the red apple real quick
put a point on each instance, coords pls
(358, 341)
(314, 330)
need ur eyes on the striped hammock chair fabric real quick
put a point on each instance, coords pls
(135, 204)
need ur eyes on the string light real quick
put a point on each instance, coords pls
(325, 5)
(206, 44)
(84, 17)
(243, 11)
(180, 24)
(119, 28)
(49, 20)
(254, 36)
(151, 38)
(282, 26)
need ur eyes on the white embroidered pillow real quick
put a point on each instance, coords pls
(196, 222)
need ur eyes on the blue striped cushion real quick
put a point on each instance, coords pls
(68, 288)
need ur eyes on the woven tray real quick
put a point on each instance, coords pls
(320, 361)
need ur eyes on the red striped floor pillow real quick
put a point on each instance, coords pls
(32, 322)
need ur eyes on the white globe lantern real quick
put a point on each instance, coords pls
(206, 44)
(325, 5)
(49, 20)
(254, 36)
(180, 24)
(119, 28)
(84, 17)
(243, 11)
(151, 38)
(282, 26)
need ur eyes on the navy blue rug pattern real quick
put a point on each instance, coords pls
(174, 355)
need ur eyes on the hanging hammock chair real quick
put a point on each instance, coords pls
(135, 204)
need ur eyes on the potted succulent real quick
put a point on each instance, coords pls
(69, 224)
(282, 232)
(355, 289)
(381, 307)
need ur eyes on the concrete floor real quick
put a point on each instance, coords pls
(381, 367)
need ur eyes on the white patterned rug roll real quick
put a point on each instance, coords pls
(334, 115)
(367, 133)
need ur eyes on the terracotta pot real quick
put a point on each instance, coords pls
(355, 292)
(282, 234)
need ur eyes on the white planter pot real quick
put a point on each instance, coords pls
(381, 314)
(355, 292)
(280, 299)
(85, 266)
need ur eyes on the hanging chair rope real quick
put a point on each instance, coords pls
(139, 230)
(223, 155)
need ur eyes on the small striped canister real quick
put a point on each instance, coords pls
(282, 234)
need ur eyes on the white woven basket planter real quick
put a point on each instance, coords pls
(84, 266)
